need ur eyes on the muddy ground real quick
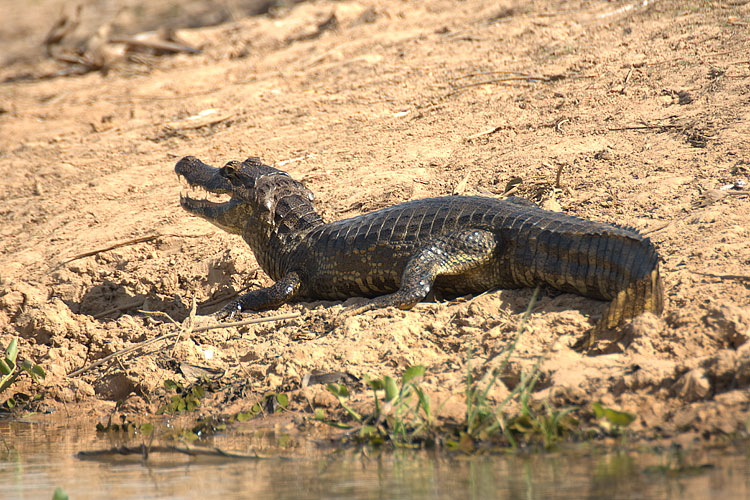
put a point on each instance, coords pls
(636, 113)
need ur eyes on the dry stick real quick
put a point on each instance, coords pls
(128, 350)
(143, 311)
(122, 352)
(627, 79)
(677, 60)
(142, 302)
(164, 45)
(187, 327)
(483, 73)
(146, 450)
(558, 175)
(119, 308)
(736, 192)
(239, 363)
(484, 132)
(128, 98)
(246, 322)
(512, 191)
(633, 6)
(740, 277)
(134, 241)
(643, 127)
(72, 59)
(500, 80)
(657, 229)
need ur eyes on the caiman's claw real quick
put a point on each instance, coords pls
(358, 309)
(228, 312)
(352, 311)
(585, 343)
(602, 340)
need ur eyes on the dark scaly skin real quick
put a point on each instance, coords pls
(453, 244)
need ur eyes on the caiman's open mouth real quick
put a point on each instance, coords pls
(207, 194)
(196, 196)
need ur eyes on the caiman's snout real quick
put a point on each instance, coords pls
(229, 215)
(198, 174)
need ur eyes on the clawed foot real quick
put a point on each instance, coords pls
(358, 309)
(228, 312)
(352, 311)
(375, 304)
(600, 340)
(585, 343)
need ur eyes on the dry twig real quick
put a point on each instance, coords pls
(119, 308)
(155, 44)
(559, 124)
(145, 450)
(133, 241)
(169, 335)
(740, 277)
(187, 325)
(508, 79)
(643, 127)
(627, 79)
(649, 232)
(246, 322)
(489, 131)
(484, 73)
(125, 243)
(558, 174)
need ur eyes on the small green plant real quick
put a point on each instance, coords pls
(402, 417)
(271, 402)
(126, 426)
(551, 426)
(612, 421)
(484, 420)
(10, 370)
(59, 494)
(186, 398)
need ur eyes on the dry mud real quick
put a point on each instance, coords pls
(642, 110)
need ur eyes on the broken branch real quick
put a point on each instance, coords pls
(169, 335)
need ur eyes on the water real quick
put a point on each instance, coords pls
(36, 458)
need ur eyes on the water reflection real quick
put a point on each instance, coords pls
(37, 458)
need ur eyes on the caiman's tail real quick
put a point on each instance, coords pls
(645, 295)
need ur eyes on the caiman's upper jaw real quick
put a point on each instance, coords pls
(207, 181)
(197, 173)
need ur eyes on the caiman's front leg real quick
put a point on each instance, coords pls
(264, 298)
(451, 254)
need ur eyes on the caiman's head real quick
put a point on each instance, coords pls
(253, 188)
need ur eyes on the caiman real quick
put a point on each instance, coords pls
(453, 244)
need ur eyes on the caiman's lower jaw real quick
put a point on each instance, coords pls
(220, 209)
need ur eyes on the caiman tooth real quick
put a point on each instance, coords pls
(184, 184)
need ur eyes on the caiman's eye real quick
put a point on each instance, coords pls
(229, 171)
